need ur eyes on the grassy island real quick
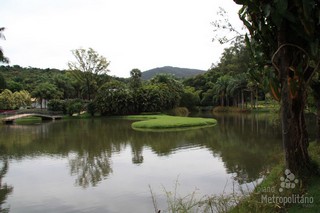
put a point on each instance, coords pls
(166, 122)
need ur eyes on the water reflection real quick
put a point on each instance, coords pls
(5, 190)
(246, 144)
(90, 168)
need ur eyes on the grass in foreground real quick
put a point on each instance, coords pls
(166, 122)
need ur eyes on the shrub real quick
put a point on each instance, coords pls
(189, 98)
(179, 111)
(91, 108)
(74, 106)
(57, 105)
(6, 100)
(114, 102)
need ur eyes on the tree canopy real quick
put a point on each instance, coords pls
(89, 69)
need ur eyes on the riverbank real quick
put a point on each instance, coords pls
(167, 122)
(261, 107)
(271, 195)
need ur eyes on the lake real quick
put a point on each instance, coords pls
(102, 165)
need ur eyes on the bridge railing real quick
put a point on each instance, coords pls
(30, 111)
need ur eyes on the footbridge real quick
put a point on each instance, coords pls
(12, 118)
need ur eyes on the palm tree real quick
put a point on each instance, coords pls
(236, 88)
(3, 59)
(220, 88)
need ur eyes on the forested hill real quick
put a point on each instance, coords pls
(176, 71)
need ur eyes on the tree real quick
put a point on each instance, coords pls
(3, 83)
(64, 84)
(156, 97)
(6, 100)
(236, 88)
(175, 88)
(287, 34)
(189, 98)
(135, 79)
(315, 88)
(14, 86)
(87, 69)
(3, 59)
(220, 89)
(21, 99)
(46, 91)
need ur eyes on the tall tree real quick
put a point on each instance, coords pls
(135, 79)
(88, 68)
(287, 33)
(220, 89)
(3, 59)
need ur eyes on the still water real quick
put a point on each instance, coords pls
(102, 165)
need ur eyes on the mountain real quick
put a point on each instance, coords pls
(176, 71)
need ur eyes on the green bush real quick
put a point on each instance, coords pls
(74, 106)
(57, 105)
(91, 108)
(6, 100)
(114, 101)
(179, 111)
(190, 98)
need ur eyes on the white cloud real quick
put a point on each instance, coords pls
(131, 34)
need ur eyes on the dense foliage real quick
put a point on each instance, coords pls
(160, 94)
(16, 100)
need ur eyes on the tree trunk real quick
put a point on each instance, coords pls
(256, 98)
(227, 101)
(251, 97)
(88, 90)
(294, 132)
(318, 120)
(242, 100)
(222, 99)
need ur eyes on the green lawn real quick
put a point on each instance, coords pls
(166, 122)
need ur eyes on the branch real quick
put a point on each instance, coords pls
(290, 45)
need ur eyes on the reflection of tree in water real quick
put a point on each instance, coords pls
(90, 168)
(137, 149)
(5, 190)
(247, 144)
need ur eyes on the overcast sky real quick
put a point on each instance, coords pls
(141, 34)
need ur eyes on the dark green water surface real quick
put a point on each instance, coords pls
(102, 165)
